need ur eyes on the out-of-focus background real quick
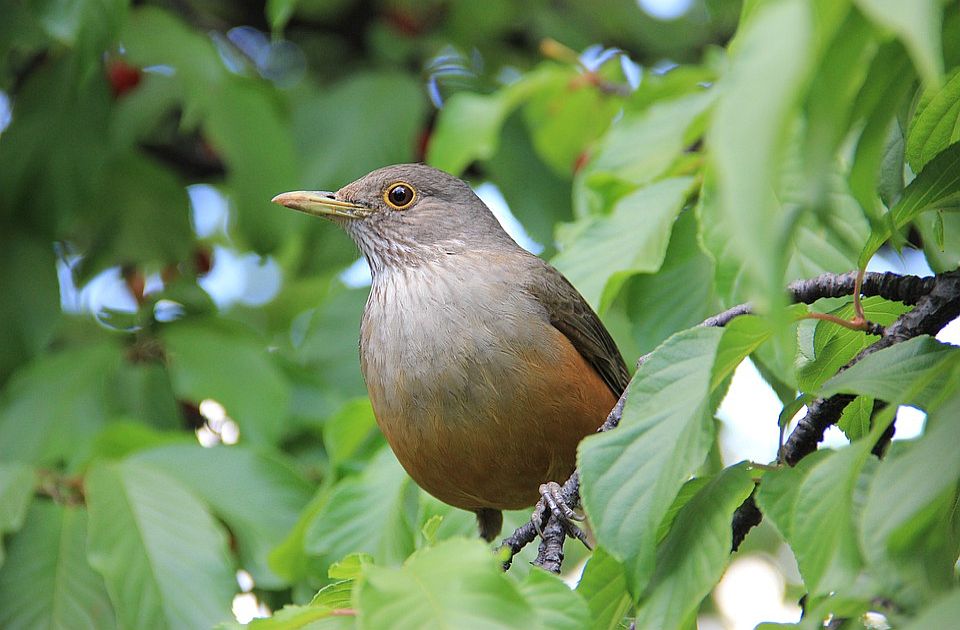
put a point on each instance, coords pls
(153, 299)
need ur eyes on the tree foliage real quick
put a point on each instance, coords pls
(786, 140)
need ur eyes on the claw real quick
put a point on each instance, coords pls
(551, 498)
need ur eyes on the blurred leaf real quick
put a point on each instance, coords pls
(257, 494)
(364, 122)
(890, 79)
(912, 372)
(217, 359)
(47, 582)
(164, 559)
(695, 552)
(374, 512)
(67, 398)
(601, 257)
(917, 25)
(945, 256)
(759, 94)
(348, 429)
(16, 491)
(537, 195)
(936, 122)
(834, 346)
(944, 612)
(565, 116)
(604, 587)
(31, 305)
(555, 604)
(456, 583)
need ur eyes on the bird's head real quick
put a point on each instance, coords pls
(403, 213)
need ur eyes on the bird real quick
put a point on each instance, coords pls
(485, 367)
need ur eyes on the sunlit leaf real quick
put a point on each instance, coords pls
(604, 587)
(935, 124)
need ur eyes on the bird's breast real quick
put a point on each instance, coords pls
(478, 395)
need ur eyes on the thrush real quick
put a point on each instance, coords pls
(485, 367)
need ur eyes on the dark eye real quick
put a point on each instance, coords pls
(400, 195)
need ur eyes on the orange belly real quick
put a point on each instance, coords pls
(504, 424)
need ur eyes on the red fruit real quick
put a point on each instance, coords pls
(122, 76)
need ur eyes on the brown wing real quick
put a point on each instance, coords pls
(570, 314)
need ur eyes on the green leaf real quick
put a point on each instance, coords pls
(374, 512)
(936, 122)
(834, 346)
(917, 24)
(937, 186)
(31, 306)
(638, 149)
(164, 558)
(565, 116)
(604, 587)
(347, 430)
(258, 495)
(47, 582)
(66, 396)
(632, 475)
(456, 584)
(293, 617)
(695, 552)
(895, 522)
(345, 130)
(556, 606)
(467, 130)
(654, 305)
(942, 614)
(468, 127)
(632, 239)
(812, 507)
(768, 72)
(226, 362)
(16, 491)
(912, 372)
(890, 80)
(855, 419)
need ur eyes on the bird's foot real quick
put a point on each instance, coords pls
(552, 503)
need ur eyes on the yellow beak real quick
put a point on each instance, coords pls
(319, 203)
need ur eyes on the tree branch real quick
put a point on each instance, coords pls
(936, 298)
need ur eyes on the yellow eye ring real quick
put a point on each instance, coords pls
(399, 195)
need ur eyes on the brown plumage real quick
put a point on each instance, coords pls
(485, 367)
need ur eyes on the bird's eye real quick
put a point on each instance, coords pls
(399, 196)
